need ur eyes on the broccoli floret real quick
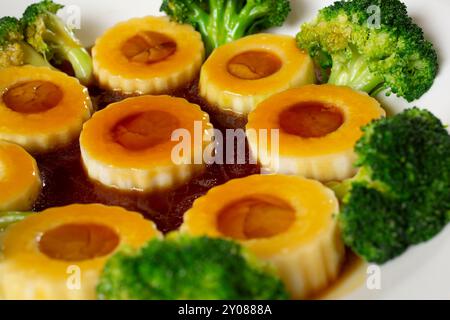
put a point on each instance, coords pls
(14, 51)
(401, 195)
(223, 21)
(346, 41)
(48, 35)
(372, 224)
(9, 218)
(182, 267)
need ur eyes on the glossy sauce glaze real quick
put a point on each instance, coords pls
(65, 181)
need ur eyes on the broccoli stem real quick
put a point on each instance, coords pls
(341, 189)
(201, 19)
(216, 25)
(81, 63)
(32, 57)
(9, 218)
(245, 20)
(355, 74)
(226, 22)
(229, 23)
(67, 48)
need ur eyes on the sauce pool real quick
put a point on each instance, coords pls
(65, 181)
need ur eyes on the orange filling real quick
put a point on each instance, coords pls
(311, 119)
(253, 65)
(33, 96)
(78, 242)
(255, 217)
(149, 47)
(145, 130)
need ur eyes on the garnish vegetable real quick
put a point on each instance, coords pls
(401, 195)
(371, 45)
(223, 21)
(183, 267)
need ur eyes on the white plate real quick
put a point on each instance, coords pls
(423, 272)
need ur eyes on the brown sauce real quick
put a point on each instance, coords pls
(352, 277)
(65, 181)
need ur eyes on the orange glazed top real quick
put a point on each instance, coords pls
(18, 171)
(316, 119)
(256, 64)
(147, 47)
(37, 100)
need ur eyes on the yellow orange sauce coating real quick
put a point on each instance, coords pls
(42, 251)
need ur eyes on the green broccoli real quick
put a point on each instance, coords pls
(192, 268)
(346, 41)
(223, 21)
(9, 218)
(401, 195)
(48, 35)
(14, 51)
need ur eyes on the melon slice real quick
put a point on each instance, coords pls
(60, 252)
(288, 221)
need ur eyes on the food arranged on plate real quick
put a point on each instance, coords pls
(150, 55)
(95, 181)
(239, 75)
(20, 182)
(128, 145)
(81, 236)
(204, 273)
(285, 220)
(41, 109)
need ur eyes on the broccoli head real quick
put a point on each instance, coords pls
(401, 195)
(48, 35)
(14, 51)
(223, 21)
(372, 224)
(369, 50)
(182, 267)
